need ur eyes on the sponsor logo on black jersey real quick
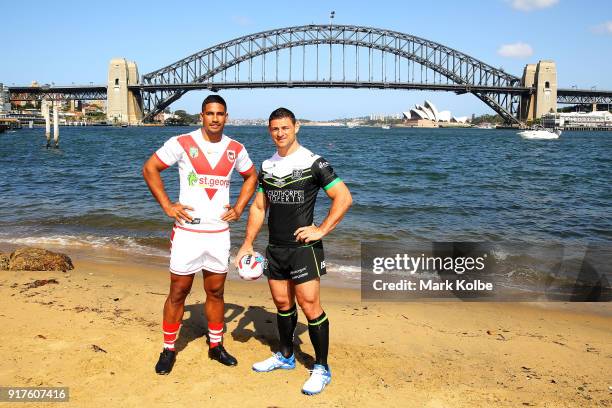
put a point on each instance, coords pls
(285, 196)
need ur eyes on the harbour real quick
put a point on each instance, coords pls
(420, 187)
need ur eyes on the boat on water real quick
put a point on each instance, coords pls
(386, 127)
(540, 133)
(351, 125)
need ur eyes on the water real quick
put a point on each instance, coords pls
(407, 185)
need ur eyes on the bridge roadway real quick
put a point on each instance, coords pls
(60, 92)
(98, 92)
(215, 86)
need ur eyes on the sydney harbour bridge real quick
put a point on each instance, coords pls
(325, 56)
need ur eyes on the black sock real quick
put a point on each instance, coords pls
(286, 320)
(318, 329)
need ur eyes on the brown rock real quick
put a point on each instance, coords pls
(4, 262)
(38, 259)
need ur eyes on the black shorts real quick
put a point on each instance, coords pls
(300, 264)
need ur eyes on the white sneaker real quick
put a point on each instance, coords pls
(276, 361)
(319, 378)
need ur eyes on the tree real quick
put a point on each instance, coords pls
(487, 119)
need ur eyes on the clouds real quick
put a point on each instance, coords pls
(529, 5)
(516, 50)
(242, 20)
(603, 28)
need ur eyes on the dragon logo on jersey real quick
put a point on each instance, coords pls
(194, 152)
(192, 179)
(231, 155)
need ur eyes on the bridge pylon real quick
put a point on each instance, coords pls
(543, 78)
(123, 105)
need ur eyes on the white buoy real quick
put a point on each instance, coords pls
(56, 123)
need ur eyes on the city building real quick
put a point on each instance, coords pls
(578, 120)
(5, 100)
(164, 116)
(97, 105)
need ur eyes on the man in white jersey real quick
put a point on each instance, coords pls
(200, 239)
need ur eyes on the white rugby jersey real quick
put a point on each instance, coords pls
(205, 170)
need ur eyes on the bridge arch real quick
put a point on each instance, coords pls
(162, 87)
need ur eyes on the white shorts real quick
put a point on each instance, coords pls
(193, 251)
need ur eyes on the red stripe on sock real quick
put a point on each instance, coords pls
(216, 327)
(170, 332)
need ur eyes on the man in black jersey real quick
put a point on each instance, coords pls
(288, 185)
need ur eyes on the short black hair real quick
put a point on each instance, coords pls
(214, 99)
(281, 113)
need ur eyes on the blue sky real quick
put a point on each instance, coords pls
(70, 41)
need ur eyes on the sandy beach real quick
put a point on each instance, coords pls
(97, 331)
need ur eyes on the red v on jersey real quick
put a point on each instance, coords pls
(201, 164)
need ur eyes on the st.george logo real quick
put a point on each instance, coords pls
(194, 152)
(297, 173)
(231, 155)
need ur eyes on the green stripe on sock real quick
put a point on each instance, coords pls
(287, 314)
(318, 322)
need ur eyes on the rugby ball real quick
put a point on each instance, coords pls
(250, 267)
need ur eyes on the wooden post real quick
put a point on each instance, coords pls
(45, 108)
(56, 123)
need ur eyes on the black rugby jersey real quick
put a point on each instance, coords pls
(291, 184)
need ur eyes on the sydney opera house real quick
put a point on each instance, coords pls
(427, 115)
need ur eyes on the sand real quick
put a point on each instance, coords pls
(97, 331)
